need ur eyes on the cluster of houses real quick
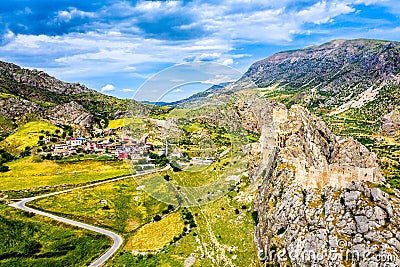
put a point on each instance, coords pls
(123, 148)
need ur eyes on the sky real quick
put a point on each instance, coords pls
(115, 46)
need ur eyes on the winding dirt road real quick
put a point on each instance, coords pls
(117, 239)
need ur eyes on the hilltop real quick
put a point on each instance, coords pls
(26, 93)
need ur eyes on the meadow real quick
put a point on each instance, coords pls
(32, 240)
(222, 236)
(154, 236)
(126, 208)
(32, 172)
(221, 231)
(119, 123)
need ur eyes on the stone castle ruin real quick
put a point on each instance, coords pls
(295, 142)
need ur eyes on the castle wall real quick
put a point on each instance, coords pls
(333, 175)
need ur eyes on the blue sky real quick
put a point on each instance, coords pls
(114, 46)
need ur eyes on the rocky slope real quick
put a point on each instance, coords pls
(391, 122)
(332, 74)
(25, 93)
(318, 201)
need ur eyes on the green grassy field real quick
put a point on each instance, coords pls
(223, 236)
(27, 135)
(223, 232)
(118, 123)
(32, 172)
(32, 240)
(126, 210)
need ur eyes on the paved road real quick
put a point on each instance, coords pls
(117, 239)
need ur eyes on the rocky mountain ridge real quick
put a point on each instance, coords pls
(330, 74)
(38, 79)
(32, 93)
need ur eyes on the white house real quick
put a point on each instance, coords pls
(75, 142)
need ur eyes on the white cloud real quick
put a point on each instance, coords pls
(108, 88)
(370, 2)
(67, 15)
(123, 47)
(127, 90)
(178, 90)
(227, 62)
(130, 68)
(209, 56)
(149, 8)
(323, 12)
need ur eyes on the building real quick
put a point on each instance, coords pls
(123, 155)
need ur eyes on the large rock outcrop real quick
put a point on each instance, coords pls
(71, 114)
(391, 122)
(318, 202)
(15, 108)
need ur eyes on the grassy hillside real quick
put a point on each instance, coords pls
(221, 230)
(27, 135)
(154, 236)
(126, 210)
(119, 123)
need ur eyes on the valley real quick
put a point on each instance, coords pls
(286, 159)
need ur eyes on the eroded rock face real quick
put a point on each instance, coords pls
(40, 79)
(70, 114)
(319, 204)
(15, 108)
(338, 70)
(391, 122)
(329, 226)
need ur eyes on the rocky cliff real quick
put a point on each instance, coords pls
(319, 202)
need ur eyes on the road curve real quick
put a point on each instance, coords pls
(117, 239)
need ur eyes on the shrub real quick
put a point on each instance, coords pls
(4, 168)
(254, 215)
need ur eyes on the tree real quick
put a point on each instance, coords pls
(157, 218)
(4, 168)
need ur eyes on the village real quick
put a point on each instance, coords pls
(141, 153)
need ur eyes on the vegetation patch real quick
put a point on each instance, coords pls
(119, 206)
(119, 123)
(31, 172)
(27, 135)
(31, 240)
(154, 236)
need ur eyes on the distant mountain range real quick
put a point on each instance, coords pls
(198, 95)
(336, 76)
